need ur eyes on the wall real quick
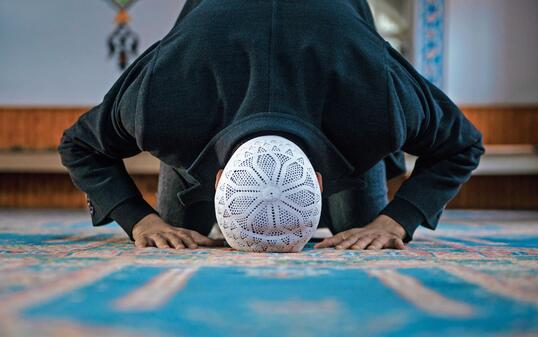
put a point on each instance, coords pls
(492, 51)
(54, 51)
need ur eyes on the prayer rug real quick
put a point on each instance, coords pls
(477, 275)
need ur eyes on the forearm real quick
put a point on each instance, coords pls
(110, 190)
(433, 183)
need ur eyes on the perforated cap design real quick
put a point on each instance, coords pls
(268, 198)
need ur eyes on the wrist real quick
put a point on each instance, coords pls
(393, 226)
(146, 222)
(130, 212)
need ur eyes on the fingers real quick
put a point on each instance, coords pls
(179, 238)
(396, 243)
(359, 241)
(165, 240)
(175, 241)
(377, 243)
(170, 240)
(372, 242)
(142, 242)
(154, 232)
(203, 240)
(386, 242)
(332, 241)
(187, 240)
(159, 241)
(348, 242)
(363, 242)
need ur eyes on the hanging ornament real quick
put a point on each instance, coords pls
(122, 42)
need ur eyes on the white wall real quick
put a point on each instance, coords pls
(492, 51)
(54, 51)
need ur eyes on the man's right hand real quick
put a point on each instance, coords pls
(152, 231)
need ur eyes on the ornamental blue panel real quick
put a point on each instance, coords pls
(430, 40)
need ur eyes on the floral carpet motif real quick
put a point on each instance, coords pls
(477, 275)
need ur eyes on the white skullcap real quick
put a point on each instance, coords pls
(268, 198)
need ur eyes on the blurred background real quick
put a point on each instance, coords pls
(59, 57)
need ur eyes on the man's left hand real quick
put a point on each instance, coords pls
(382, 233)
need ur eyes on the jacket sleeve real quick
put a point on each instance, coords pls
(93, 148)
(429, 125)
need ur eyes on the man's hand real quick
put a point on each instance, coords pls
(381, 233)
(152, 231)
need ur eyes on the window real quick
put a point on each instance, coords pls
(394, 21)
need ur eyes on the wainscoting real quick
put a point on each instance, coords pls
(35, 128)
(505, 124)
(31, 176)
(53, 190)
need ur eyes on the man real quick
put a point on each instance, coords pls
(314, 72)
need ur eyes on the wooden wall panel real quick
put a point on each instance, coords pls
(491, 192)
(505, 124)
(35, 128)
(498, 192)
(41, 127)
(19, 190)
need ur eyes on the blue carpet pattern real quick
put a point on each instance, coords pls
(477, 275)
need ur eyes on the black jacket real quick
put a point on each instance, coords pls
(316, 70)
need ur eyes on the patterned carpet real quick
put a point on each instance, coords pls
(475, 276)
